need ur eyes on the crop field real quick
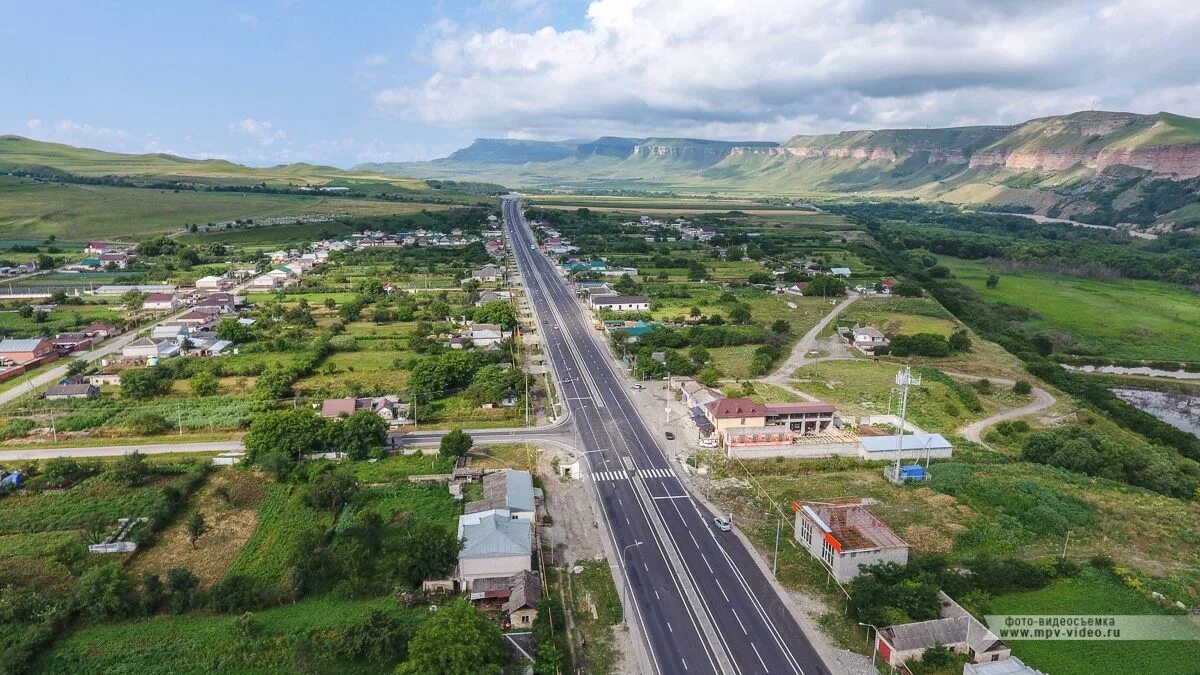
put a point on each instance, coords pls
(1123, 319)
(76, 211)
(283, 518)
(408, 500)
(203, 641)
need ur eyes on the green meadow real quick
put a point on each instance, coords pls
(1125, 319)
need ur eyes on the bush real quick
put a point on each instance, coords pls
(204, 383)
(1021, 387)
(238, 593)
(184, 588)
(146, 423)
(1094, 453)
(131, 470)
(105, 592)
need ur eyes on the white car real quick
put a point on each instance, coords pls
(637, 387)
(707, 443)
(722, 523)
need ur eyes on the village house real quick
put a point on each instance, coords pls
(867, 339)
(96, 248)
(147, 348)
(494, 544)
(622, 303)
(487, 274)
(493, 296)
(840, 271)
(488, 334)
(957, 630)
(62, 392)
(115, 258)
(160, 302)
(219, 303)
(24, 350)
(69, 342)
(846, 537)
(510, 490)
(100, 331)
(213, 283)
(388, 408)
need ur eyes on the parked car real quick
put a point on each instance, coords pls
(670, 435)
(707, 443)
(637, 387)
(722, 523)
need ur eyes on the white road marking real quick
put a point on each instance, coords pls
(694, 542)
(656, 597)
(710, 569)
(669, 629)
(739, 620)
(723, 593)
(760, 659)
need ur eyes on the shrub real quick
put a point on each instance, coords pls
(105, 592)
(146, 423)
(238, 593)
(1021, 387)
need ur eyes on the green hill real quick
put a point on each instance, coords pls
(24, 154)
(1103, 167)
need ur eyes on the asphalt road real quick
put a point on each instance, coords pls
(700, 596)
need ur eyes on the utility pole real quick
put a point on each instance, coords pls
(625, 575)
(775, 566)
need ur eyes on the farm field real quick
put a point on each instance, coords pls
(283, 518)
(204, 641)
(76, 211)
(1123, 319)
(1094, 593)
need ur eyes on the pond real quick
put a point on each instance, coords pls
(1141, 370)
(1180, 410)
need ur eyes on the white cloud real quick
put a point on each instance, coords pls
(246, 19)
(34, 125)
(374, 60)
(264, 133)
(769, 69)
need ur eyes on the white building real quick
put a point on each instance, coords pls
(846, 537)
(622, 303)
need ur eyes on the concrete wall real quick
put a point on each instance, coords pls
(795, 450)
(845, 565)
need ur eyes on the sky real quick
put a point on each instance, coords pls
(343, 83)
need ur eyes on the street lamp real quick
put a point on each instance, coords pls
(625, 573)
(874, 643)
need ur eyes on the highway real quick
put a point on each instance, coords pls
(701, 598)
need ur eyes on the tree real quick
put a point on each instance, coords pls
(457, 639)
(105, 592)
(131, 469)
(45, 262)
(937, 656)
(153, 594)
(184, 588)
(356, 435)
(196, 527)
(430, 551)
(286, 434)
(993, 280)
(498, 312)
(204, 383)
(907, 289)
(381, 637)
(144, 383)
(694, 312)
(1022, 388)
(781, 327)
(331, 491)
(761, 278)
(740, 313)
(960, 341)
(826, 286)
(230, 329)
(456, 444)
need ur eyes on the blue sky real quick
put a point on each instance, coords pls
(185, 77)
(343, 83)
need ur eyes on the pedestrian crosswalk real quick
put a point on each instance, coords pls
(624, 475)
(657, 473)
(610, 475)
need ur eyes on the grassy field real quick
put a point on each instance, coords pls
(863, 387)
(1094, 592)
(899, 315)
(291, 640)
(72, 211)
(230, 525)
(1120, 319)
